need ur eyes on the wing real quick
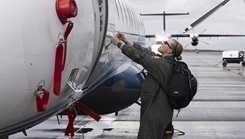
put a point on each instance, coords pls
(200, 35)
(201, 19)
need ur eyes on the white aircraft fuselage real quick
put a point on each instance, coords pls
(30, 33)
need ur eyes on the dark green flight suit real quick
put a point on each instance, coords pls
(156, 113)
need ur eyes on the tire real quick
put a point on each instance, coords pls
(243, 63)
(224, 64)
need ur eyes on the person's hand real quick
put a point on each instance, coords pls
(121, 36)
(115, 40)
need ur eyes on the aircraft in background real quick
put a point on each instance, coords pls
(56, 53)
(161, 36)
(194, 36)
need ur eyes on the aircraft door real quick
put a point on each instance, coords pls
(101, 21)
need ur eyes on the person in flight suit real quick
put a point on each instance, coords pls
(155, 112)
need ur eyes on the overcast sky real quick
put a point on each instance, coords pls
(229, 19)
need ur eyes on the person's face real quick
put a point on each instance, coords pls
(165, 47)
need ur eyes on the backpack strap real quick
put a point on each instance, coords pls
(160, 86)
(171, 60)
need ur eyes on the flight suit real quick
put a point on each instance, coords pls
(155, 113)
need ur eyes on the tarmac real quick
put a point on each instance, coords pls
(217, 111)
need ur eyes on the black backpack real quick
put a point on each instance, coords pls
(183, 86)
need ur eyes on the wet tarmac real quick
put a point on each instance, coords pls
(217, 111)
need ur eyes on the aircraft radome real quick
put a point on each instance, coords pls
(55, 52)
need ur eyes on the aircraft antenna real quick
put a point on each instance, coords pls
(164, 18)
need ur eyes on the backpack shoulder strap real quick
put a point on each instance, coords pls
(170, 60)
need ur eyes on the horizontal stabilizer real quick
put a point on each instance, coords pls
(161, 14)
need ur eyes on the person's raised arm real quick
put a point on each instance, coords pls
(122, 37)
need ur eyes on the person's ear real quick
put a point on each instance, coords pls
(170, 51)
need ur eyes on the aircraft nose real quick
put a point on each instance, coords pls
(29, 39)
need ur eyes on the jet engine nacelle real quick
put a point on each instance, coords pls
(194, 39)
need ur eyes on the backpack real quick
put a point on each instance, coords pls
(183, 86)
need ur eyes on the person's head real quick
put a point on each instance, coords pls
(171, 48)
